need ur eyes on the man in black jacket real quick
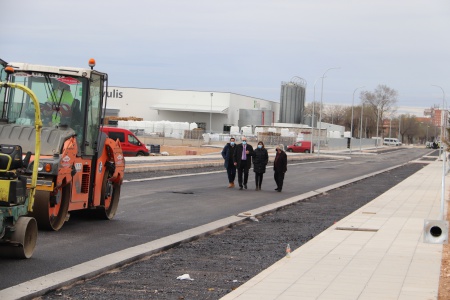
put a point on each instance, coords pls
(243, 161)
(279, 167)
(228, 156)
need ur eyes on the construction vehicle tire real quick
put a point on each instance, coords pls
(51, 217)
(23, 239)
(109, 198)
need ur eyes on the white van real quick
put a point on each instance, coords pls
(391, 142)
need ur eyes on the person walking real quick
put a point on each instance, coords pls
(260, 160)
(228, 156)
(243, 162)
(279, 167)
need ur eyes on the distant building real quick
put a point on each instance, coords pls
(223, 109)
(435, 114)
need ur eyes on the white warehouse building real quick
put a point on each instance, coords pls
(223, 109)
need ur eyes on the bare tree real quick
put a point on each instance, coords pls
(310, 109)
(409, 128)
(335, 114)
(383, 101)
(369, 121)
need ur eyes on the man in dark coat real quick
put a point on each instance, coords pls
(228, 156)
(243, 161)
(279, 167)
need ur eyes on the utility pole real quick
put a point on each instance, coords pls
(210, 116)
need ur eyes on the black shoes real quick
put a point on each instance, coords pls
(240, 187)
(245, 186)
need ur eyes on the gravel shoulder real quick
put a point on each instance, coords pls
(222, 262)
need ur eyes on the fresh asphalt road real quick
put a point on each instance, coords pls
(155, 208)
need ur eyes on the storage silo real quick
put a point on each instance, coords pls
(292, 100)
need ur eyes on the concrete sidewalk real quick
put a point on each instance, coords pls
(377, 252)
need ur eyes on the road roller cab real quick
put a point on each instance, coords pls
(80, 168)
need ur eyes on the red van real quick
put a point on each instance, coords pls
(301, 146)
(131, 145)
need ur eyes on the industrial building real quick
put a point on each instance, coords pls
(219, 113)
(213, 111)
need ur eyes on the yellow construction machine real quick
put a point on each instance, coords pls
(18, 232)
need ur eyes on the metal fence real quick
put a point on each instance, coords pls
(198, 138)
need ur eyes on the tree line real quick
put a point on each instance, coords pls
(378, 111)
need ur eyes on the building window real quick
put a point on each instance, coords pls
(201, 125)
(226, 128)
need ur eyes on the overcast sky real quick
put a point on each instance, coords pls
(245, 47)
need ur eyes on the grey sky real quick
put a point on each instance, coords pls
(246, 47)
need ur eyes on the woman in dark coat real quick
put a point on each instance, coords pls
(279, 167)
(260, 160)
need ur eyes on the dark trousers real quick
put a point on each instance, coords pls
(279, 178)
(243, 170)
(258, 179)
(231, 171)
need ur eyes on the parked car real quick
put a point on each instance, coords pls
(131, 145)
(434, 145)
(301, 146)
(391, 142)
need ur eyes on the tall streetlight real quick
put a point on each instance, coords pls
(320, 114)
(378, 116)
(312, 119)
(442, 117)
(360, 128)
(390, 127)
(351, 126)
(210, 116)
(443, 154)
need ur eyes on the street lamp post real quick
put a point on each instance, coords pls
(313, 117)
(443, 154)
(351, 123)
(390, 126)
(210, 116)
(442, 117)
(378, 116)
(320, 114)
(360, 128)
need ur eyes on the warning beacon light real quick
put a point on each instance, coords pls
(92, 63)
